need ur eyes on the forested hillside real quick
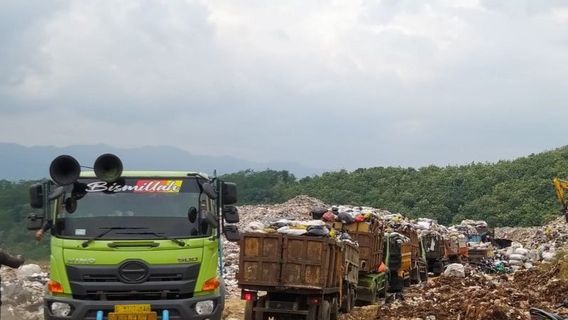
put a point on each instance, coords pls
(14, 209)
(506, 193)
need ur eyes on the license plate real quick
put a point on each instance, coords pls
(133, 316)
(133, 312)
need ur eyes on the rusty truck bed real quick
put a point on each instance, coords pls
(295, 263)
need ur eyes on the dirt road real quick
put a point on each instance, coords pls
(234, 308)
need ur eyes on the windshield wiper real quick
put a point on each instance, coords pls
(159, 235)
(104, 233)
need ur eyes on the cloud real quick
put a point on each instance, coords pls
(331, 84)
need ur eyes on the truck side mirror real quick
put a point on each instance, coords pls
(232, 233)
(35, 222)
(209, 190)
(229, 193)
(36, 196)
(231, 214)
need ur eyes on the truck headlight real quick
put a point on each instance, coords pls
(204, 307)
(60, 309)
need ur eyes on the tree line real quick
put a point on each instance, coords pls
(14, 209)
(506, 193)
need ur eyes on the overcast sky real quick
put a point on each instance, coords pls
(328, 84)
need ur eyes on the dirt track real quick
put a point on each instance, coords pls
(234, 308)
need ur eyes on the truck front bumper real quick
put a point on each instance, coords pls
(183, 309)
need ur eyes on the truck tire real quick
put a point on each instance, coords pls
(415, 275)
(384, 291)
(312, 312)
(347, 301)
(396, 284)
(324, 311)
(424, 276)
(260, 303)
(249, 313)
(334, 309)
(438, 268)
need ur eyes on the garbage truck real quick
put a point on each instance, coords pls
(296, 277)
(133, 244)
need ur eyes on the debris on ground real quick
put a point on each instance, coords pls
(22, 292)
(481, 296)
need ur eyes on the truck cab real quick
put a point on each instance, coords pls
(144, 245)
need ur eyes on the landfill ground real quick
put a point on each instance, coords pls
(478, 296)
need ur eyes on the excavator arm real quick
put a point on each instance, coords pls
(561, 186)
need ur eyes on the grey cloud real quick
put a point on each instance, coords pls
(21, 24)
(342, 84)
(524, 7)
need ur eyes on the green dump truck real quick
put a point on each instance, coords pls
(133, 245)
(373, 282)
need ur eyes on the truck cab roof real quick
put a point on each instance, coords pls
(152, 174)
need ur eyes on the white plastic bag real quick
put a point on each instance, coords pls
(454, 270)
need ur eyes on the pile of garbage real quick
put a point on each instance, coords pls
(430, 226)
(517, 257)
(479, 296)
(292, 227)
(551, 237)
(231, 267)
(319, 221)
(22, 292)
(297, 208)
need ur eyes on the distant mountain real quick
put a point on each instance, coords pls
(18, 162)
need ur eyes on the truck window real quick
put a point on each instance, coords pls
(152, 205)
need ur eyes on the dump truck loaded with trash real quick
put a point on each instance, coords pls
(436, 254)
(386, 256)
(304, 276)
(373, 276)
(418, 265)
(133, 244)
(479, 240)
(456, 247)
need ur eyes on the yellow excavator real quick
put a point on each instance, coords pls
(561, 186)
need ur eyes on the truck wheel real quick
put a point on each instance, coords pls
(347, 302)
(415, 276)
(396, 284)
(260, 303)
(374, 298)
(249, 313)
(324, 311)
(384, 291)
(424, 276)
(312, 312)
(353, 297)
(334, 309)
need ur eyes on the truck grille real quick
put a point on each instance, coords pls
(133, 280)
(113, 278)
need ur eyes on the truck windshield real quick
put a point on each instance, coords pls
(159, 206)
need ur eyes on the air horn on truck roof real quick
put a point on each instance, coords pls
(65, 169)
